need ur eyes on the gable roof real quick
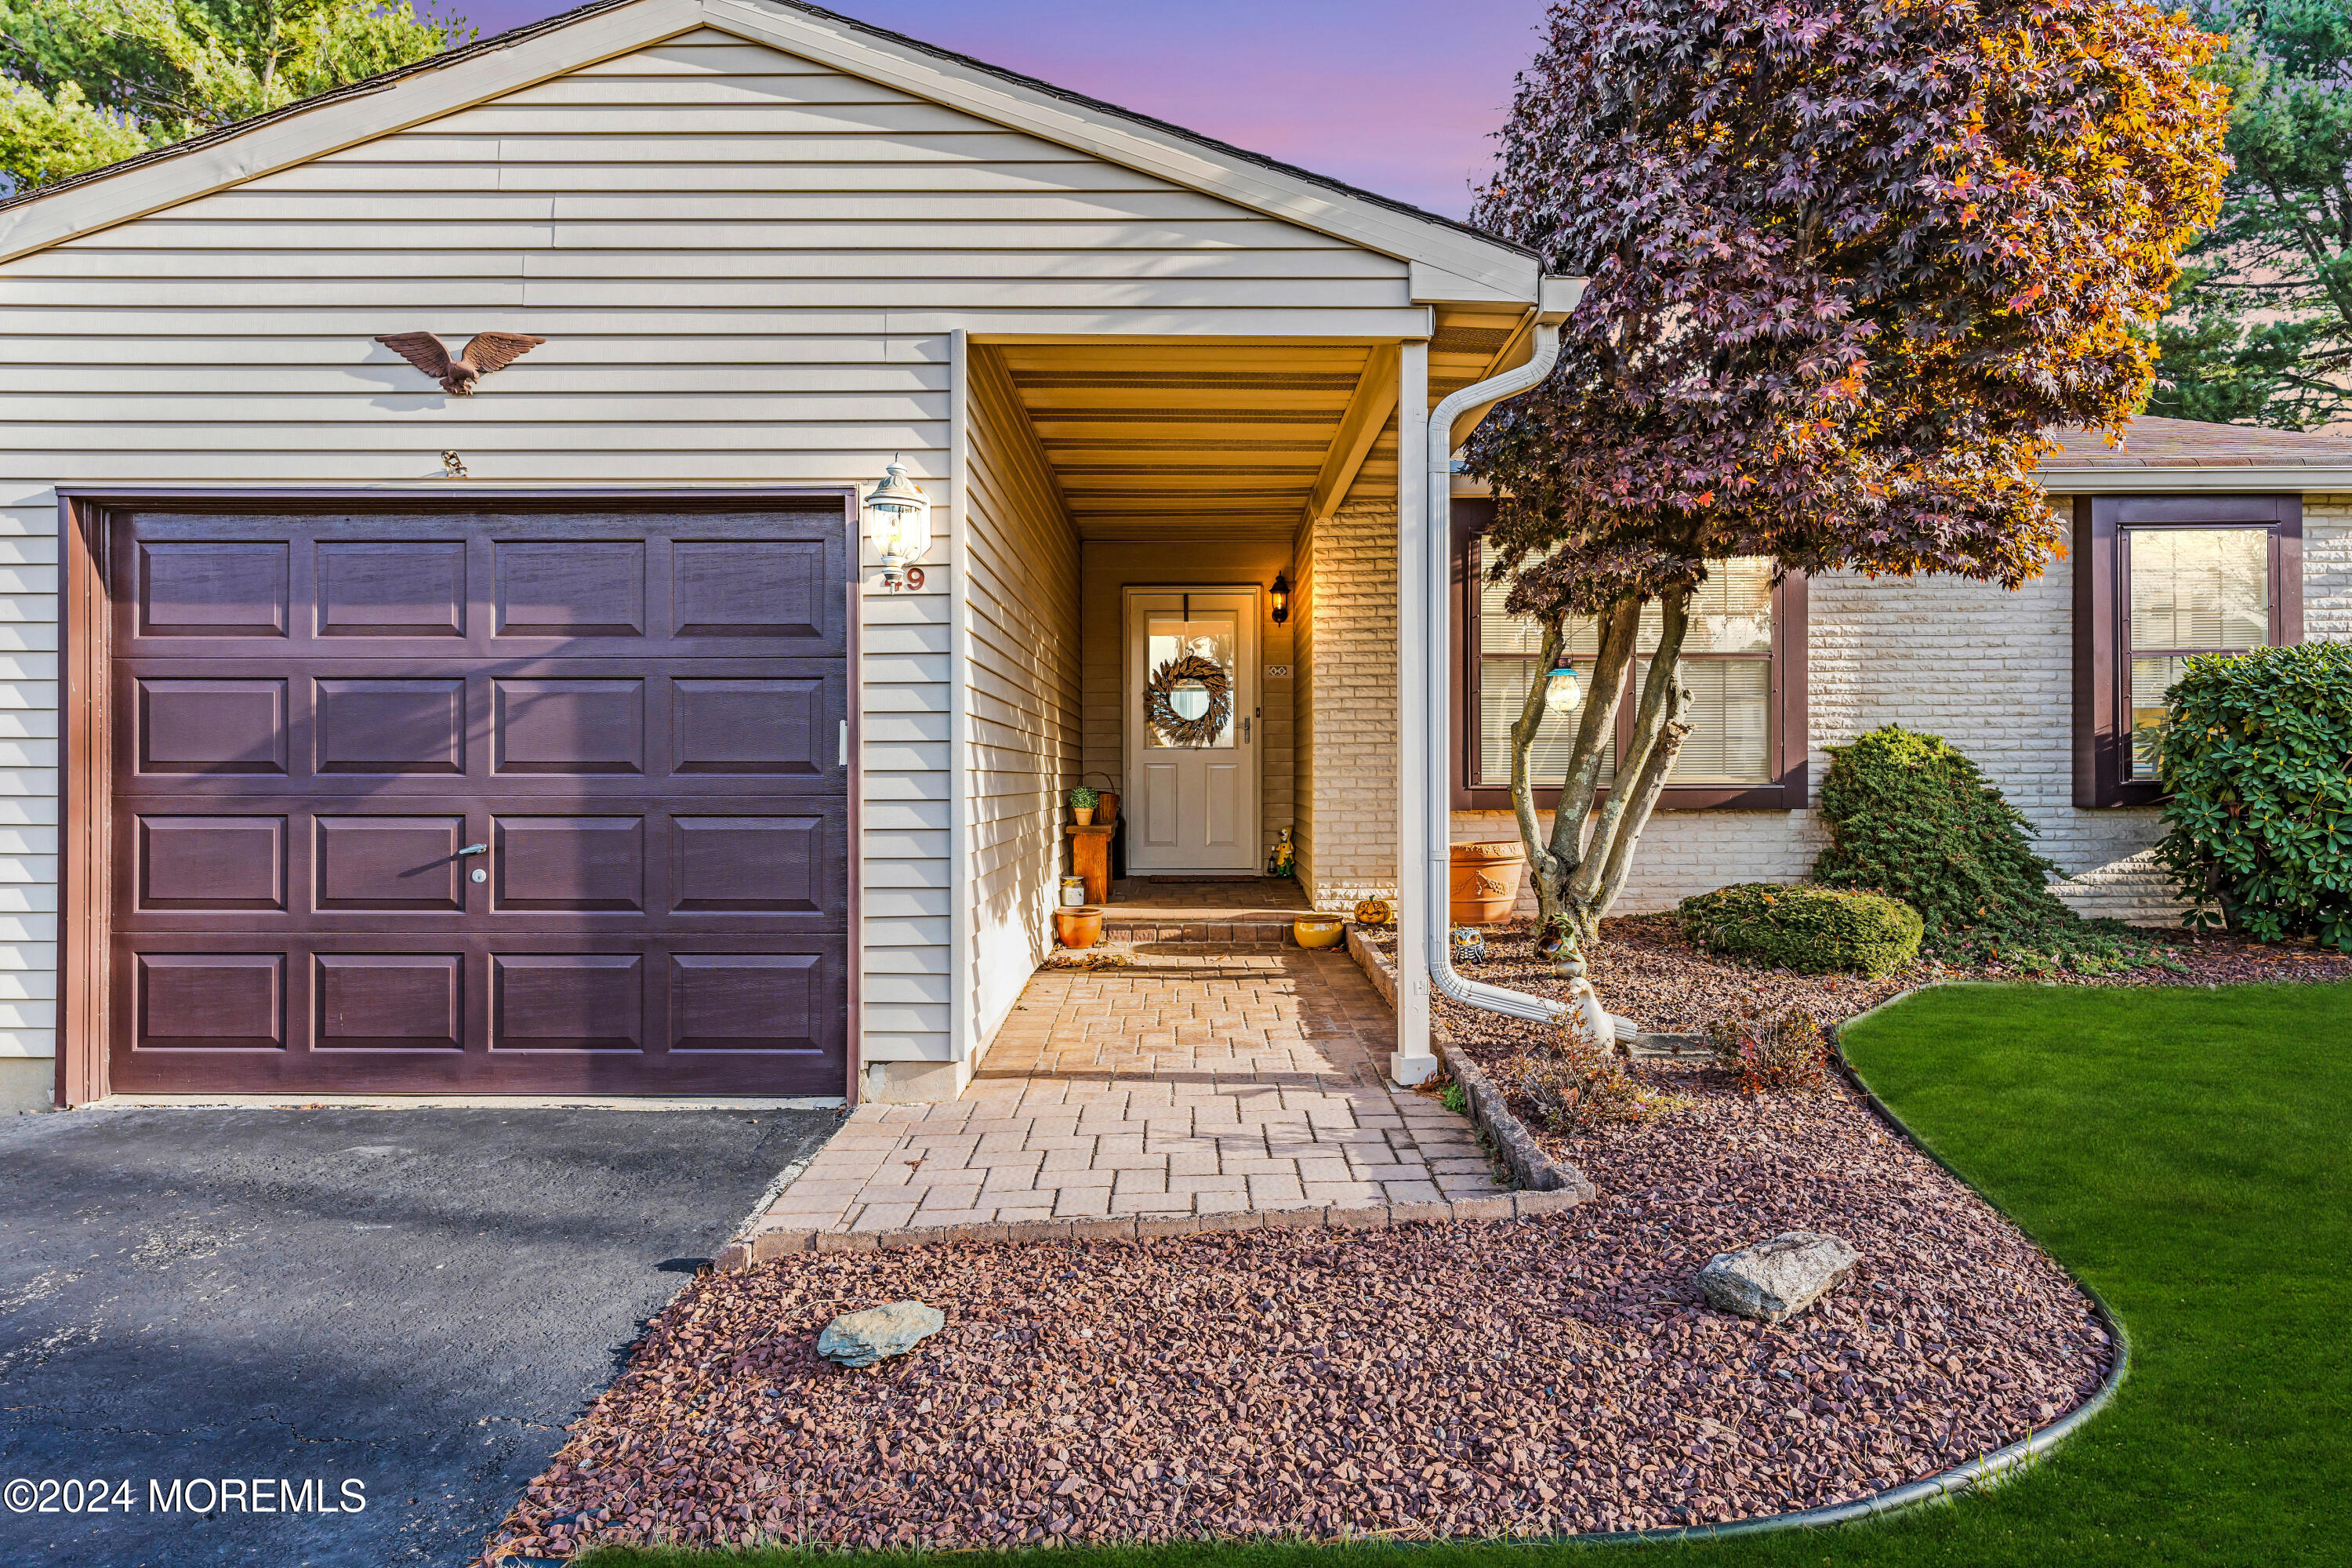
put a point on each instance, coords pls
(1476, 263)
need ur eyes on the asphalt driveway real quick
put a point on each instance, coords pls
(353, 1336)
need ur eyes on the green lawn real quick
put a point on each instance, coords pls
(2187, 1153)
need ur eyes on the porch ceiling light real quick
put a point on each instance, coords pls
(897, 523)
(1281, 597)
(1562, 692)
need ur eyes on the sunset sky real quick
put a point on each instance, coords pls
(1397, 96)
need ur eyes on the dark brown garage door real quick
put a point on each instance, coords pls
(524, 800)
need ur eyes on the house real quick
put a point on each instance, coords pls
(2189, 537)
(574, 736)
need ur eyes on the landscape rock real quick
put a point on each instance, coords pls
(1777, 1279)
(877, 1333)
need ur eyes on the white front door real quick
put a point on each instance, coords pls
(1193, 742)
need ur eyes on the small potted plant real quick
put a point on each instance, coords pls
(1082, 806)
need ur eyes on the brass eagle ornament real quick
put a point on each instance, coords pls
(487, 352)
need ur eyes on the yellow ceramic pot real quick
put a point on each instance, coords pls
(1319, 930)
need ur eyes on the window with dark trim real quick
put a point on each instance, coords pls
(1744, 659)
(2156, 580)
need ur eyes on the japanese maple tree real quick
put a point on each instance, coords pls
(1848, 262)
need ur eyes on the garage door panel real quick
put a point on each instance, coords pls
(387, 588)
(765, 726)
(570, 588)
(215, 864)
(746, 1000)
(368, 1013)
(637, 713)
(412, 725)
(558, 726)
(213, 588)
(210, 1001)
(770, 864)
(736, 588)
(576, 862)
(571, 864)
(211, 726)
(388, 1001)
(568, 1002)
(390, 865)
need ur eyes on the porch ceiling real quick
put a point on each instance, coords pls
(1150, 438)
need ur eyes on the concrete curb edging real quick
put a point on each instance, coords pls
(1534, 1170)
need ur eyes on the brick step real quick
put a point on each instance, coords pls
(1231, 931)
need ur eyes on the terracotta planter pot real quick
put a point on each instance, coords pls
(1077, 928)
(1485, 882)
(1084, 816)
(1319, 930)
(1106, 807)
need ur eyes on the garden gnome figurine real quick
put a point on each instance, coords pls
(1284, 860)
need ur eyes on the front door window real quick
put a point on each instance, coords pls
(1189, 681)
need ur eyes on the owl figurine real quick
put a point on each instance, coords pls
(1469, 944)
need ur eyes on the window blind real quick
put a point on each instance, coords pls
(1726, 663)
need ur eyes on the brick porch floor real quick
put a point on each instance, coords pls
(1194, 1085)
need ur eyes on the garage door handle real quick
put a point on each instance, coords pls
(473, 849)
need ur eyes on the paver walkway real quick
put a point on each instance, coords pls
(1192, 1085)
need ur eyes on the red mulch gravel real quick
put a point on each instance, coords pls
(1546, 1376)
(1647, 969)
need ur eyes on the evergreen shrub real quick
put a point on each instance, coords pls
(1910, 817)
(2257, 756)
(1813, 930)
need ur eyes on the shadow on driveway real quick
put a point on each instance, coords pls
(414, 1300)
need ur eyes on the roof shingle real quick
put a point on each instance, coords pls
(2153, 443)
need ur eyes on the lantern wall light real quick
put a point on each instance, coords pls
(1281, 597)
(898, 526)
(1562, 692)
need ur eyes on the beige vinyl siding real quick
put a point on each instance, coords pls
(1021, 580)
(748, 268)
(28, 788)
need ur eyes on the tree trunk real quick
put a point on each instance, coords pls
(1577, 873)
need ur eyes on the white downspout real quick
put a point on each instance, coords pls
(1437, 568)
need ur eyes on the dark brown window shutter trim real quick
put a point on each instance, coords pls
(2102, 743)
(1790, 790)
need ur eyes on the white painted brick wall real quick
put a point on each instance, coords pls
(1990, 670)
(2327, 568)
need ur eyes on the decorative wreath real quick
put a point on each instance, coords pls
(1161, 713)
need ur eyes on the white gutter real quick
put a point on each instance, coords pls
(1430, 608)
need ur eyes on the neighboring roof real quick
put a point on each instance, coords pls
(742, 16)
(2153, 443)
(2159, 454)
(359, 88)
